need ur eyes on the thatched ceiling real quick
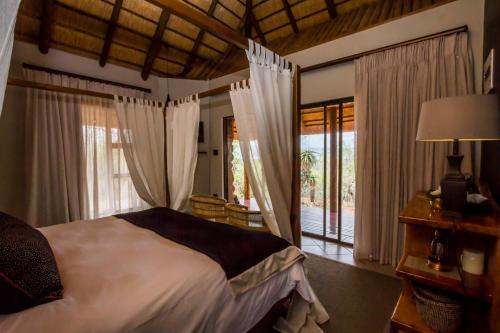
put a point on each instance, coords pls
(144, 35)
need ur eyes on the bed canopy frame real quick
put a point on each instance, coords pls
(241, 42)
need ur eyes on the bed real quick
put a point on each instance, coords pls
(119, 277)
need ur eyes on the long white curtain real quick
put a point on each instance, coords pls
(271, 89)
(391, 166)
(8, 14)
(142, 134)
(55, 161)
(182, 121)
(74, 159)
(244, 114)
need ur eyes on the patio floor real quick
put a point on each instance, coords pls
(312, 222)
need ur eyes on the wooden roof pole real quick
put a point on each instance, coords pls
(155, 46)
(46, 25)
(332, 9)
(202, 21)
(113, 22)
(289, 13)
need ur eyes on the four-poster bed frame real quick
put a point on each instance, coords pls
(241, 42)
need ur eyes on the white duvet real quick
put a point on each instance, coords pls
(121, 278)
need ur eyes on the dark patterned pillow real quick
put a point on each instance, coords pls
(28, 269)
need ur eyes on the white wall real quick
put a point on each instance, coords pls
(12, 187)
(57, 59)
(338, 81)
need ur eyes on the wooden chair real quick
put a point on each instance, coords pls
(209, 208)
(240, 216)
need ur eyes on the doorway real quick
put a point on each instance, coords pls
(328, 170)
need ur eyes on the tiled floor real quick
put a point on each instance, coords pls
(312, 222)
(343, 254)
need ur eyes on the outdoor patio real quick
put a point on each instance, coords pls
(312, 222)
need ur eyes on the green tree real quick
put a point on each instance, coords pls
(308, 159)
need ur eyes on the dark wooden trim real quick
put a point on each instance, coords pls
(295, 204)
(48, 10)
(381, 49)
(332, 9)
(110, 32)
(201, 20)
(289, 13)
(84, 77)
(327, 102)
(155, 46)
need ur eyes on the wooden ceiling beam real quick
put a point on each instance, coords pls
(251, 21)
(155, 44)
(248, 19)
(48, 10)
(124, 28)
(202, 21)
(332, 9)
(256, 25)
(289, 13)
(113, 22)
(199, 39)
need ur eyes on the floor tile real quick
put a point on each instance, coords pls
(314, 249)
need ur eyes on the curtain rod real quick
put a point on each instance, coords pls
(61, 89)
(84, 77)
(384, 48)
(76, 91)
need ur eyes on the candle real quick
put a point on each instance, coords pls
(472, 261)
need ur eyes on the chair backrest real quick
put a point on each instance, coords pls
(209, 208)
(240, 216)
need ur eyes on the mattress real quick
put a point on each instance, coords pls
(118, 277)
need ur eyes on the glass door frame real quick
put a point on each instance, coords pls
(325, 104)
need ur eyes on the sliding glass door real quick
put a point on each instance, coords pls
(327, 170)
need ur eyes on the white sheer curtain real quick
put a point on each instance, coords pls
(271, 89)
(244, 114)
(182, 123)
(391, 166)
(142, 133)
(8, 14)
(109, 182)
(75, 165)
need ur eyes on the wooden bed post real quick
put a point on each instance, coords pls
(167, 192)
(295, 211)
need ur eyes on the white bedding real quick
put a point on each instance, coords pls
(121, 278)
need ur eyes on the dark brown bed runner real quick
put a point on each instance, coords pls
(234, 249)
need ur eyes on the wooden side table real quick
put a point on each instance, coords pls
(476, 231)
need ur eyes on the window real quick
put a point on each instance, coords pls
(236, 185)
(110, 187)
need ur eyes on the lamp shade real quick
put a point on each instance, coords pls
(472, 117)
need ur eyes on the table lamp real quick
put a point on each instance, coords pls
(461, 118)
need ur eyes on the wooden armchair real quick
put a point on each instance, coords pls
(209, 208)
(240, 216)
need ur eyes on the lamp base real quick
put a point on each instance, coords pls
(454, 188)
